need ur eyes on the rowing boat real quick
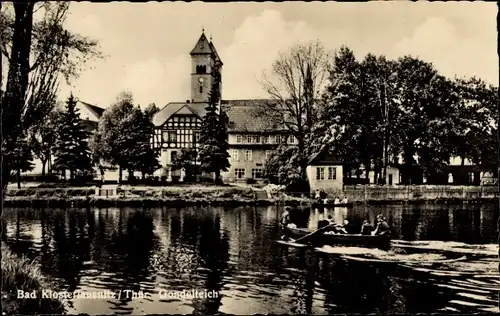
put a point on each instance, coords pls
(321, 239)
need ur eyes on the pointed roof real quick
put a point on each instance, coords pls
(217, 58)
(203, 46)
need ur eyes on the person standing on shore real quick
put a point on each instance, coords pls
(336, 201)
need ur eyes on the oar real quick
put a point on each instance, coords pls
(314, 232)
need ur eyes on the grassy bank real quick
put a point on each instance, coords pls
(19, 273)
(135, 196)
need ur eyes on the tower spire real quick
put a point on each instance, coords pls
(202, 29)
(210, 37)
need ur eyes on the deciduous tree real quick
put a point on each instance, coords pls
(42, 138)
(37, 53)
(123, 138)
(294, 85)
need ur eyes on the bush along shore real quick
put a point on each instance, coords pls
(134, 196)
(187, 195)
(21, 274)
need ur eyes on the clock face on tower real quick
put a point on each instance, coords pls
(200, 80)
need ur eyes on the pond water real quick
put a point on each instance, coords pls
(232, 254)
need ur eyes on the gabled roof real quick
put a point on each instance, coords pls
(93, 108)
(323, 157)
(251, 116)
(172, 108)
(246, 116)
(203, 46)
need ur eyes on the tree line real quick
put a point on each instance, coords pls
(374, 110)
(123, 138)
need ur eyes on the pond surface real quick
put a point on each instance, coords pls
(231, 254)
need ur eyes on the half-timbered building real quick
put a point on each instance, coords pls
(252, 136)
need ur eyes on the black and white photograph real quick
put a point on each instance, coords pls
(247, 158)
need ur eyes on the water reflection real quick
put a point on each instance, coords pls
(232, 252)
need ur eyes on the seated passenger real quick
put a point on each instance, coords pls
(339, 229)
(322, 222)
(330, 219)
(349, 228)
(383, 228)
(366, 228)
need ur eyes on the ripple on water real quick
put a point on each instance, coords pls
(252, 280)
(475, 297)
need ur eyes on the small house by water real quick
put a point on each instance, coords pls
(325, 173)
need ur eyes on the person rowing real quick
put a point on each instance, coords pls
(285, 217)
(285, 221)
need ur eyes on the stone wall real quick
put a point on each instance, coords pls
(362, 193)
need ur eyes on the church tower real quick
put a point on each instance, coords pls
(206, 66)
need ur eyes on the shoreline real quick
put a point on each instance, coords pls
(203, 195)
(176, 202)
(20, 274)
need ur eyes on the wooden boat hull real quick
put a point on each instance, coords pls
(321, 239)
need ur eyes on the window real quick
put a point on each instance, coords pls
(234, 155)
(201, 89)
(239, 138)
(249, 139)
(239, 173)
(292, 139)
(257, 173)
(256, 139)
(277, 139)
(248, 155)
(471, 177)
(201, 69)
(182, 131)
(320, 173)
(268, 154)
(332, 173)
(173, 156)
(172, 136)
(265, 139)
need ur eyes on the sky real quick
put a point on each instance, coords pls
(147, 45)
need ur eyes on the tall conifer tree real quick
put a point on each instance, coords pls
(213, 154)
(71, 148)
